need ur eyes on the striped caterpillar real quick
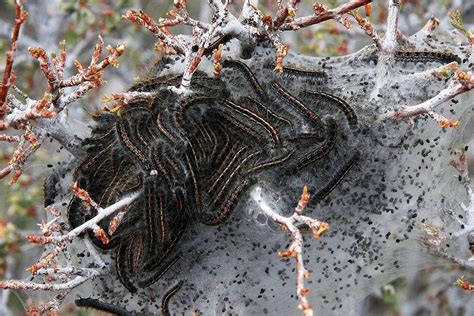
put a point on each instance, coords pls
(193, 159)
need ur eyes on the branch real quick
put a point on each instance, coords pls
(292, 224)
(324, 15)
(440, 73)
(168, 41)
(251, 27)
(9, 75)
(48, 267)
(20, 115)
(125, 98)
(386, 53)
(368, 28)
(20, 285)
(434, 241)
(390, 40)
(284, 12)
(462, 82)
(91, 224)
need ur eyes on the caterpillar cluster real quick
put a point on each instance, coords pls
(194, 158)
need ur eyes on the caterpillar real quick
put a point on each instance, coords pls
(193, 158)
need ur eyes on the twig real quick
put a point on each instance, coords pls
(291, 224)
(368, 29)
(324, 16)
(20, 285)
(251, 27)
(9, 74)
(122, 99)
(49, 268)
(91, 224)
(19, 115)
(440, 73)
(460, 83)
(141, 18)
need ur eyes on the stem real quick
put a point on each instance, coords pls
(327, 15)
(450, 92)
(8, 75)
(390, 42)
(102, 213)
(387, 53)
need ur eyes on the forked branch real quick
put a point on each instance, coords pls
(60, 277)
(292, 224)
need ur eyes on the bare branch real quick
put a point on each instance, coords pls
(368, 29)
(390, 39)
(48, 266)
(324, 15)
(91, 224)
(9, 75)
(122, 99)
(20, 285)
(20, 115)
(142, 19)
(461, 83)
(295, 250)
(440, 73)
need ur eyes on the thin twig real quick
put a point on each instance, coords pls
(324, 16)
(461, 82)
(9, 75)
(291, 224)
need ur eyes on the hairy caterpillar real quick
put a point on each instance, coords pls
(194, 158)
